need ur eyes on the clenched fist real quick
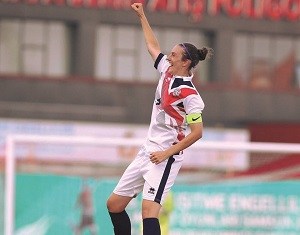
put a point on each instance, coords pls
(138, 7)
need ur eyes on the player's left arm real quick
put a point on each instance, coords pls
(195, 134)
(193, 106)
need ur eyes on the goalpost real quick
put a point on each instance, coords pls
(12, 142)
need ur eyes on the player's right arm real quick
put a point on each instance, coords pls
(151, 41)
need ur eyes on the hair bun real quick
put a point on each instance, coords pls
(205, 52)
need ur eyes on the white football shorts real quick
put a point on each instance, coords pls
(154, 180)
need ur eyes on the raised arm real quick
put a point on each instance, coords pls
(151, 41)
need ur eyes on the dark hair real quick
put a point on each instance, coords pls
(191, 52)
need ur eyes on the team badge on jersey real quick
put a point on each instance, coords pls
(176, 92)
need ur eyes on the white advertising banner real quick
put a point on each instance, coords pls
(194, 158)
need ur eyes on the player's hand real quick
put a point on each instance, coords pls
(158, 157)
(138, 7)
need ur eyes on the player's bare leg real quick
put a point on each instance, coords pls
(150, 212)
(116, 206)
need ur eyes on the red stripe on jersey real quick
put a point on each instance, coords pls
(164, 90)
(185, 92)
(168, 99)
(168, 103)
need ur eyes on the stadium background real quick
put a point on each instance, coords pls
(66, 62)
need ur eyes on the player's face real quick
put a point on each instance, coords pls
(177, 65)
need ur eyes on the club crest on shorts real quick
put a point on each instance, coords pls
(151, 190)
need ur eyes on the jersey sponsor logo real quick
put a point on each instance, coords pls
(158, 101)
(151, 190)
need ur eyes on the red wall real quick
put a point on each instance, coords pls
(275, 132)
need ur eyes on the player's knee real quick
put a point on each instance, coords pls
(113, 205)
(110, 204)
(150, 209)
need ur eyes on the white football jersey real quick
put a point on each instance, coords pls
(175, 98)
